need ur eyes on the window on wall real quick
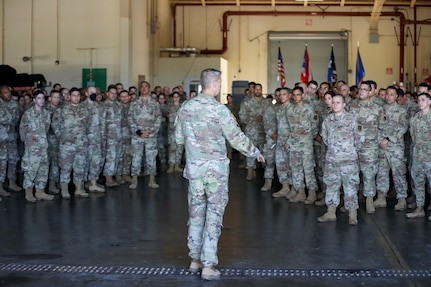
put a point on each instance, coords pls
(292, 46)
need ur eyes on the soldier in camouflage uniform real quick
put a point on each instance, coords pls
(303, 126)
(53, 144)
(162, 137)
(369, 115)
(124, 168)
(270, 127)
(282, 164)
(234, 109)
(393, 126)
(343, 138)
(251, 114)
(70, 124)
(6, 119)
(202, 125)
(33, 130)
(175, 151)
(113, 137)
(420, 130)
(144, 119)
(12, 142)
(95, 136)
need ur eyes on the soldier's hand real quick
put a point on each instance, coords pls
(260, 158)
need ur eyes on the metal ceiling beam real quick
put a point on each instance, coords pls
(375, 14)
(412, 3)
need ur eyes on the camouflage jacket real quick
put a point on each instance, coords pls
(34, 127)
(144, 114)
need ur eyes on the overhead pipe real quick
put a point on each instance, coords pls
(227, 14)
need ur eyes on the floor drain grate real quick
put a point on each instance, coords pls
(226, 272)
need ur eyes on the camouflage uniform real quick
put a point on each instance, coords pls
(144, 114)
(53, 148)
(270, 128)
(393, 126)
(33, 130)
(320, 150)
(70, 124)
(96, 137)
(343, 138)
(10, 162)
(420, 130)
(113, 134)
(282, 163)
(303, 125)
(6, 119)
(234, 109)
(369, 115)
(162, 136)
(253, 130)
(175, 150)
(202, 125)
(126, 135)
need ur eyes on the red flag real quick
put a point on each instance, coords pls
(306, 74)
(280, 68)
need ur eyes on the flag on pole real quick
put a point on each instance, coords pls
(360, 71)
(332, 70)
(280, 68)
(306, 74)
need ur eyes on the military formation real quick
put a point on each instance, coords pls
(76, 141)
(343, 145)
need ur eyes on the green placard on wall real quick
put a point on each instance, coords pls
(94, 77)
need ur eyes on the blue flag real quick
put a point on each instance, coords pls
(332, 70)
(360, 71)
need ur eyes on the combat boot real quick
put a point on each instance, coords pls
(311, 197)
(79, 191)
(330, 214)
(29, 194)
(321, 202)
(417, 213)
(119, 179)
(65, 191)
(170, 168)
(283, 192)
(134, 183)
(210, 273)
(369, 205)
(110, 182)
(250, 174)
(13, 186)
(52, 188)
(2, 191)
(268, 184)
(127, 178)
(152, 183)
(93, 187)
(380, 201)
(41, 195)
(300, 197)
(177, 168)
(292, 194)
(401, 205)
(353, 216)
(195, 266)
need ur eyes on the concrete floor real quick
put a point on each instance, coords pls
(138, 238)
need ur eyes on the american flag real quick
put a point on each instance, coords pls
(280, 68)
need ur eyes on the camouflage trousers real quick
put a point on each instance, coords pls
(302, 164)
(258, 139)
(319, 156)
(207, 198)
(389, 160)
(368, 165)
(344, 174)
(113, 156)
(126, 161)
(282, 164)
(35, 165)
(161, 146)
(3, 161)
(421, 172)
(269, 154)
(94, 162)
(72, 157)
(139, 147)
(175, 153)
(9, 159)
(53, 150)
